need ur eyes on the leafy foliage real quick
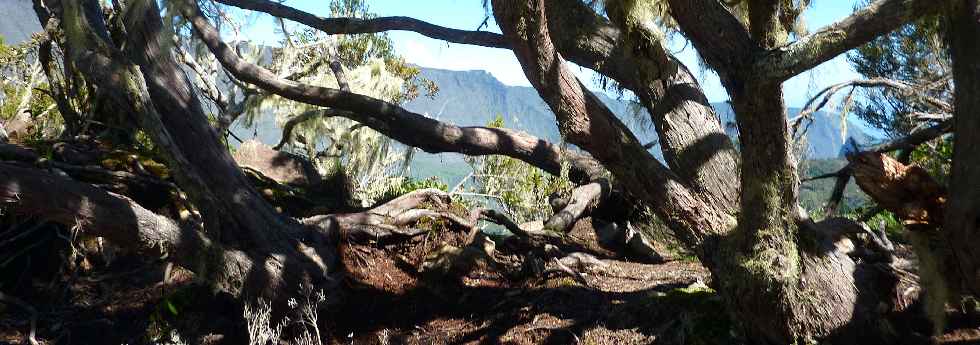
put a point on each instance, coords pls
(20, 98)
(915, 54)
(374, 163)
(520, 189)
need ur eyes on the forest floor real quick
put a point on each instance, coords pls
(387, 302)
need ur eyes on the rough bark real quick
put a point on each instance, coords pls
(722, 41)
(692, 139)
(247, 217)
(335, 26)
(272, 261)
(582, 199)
(773, 274)
(758, 264)
(586, 122)
(876, 19)
(962, 226)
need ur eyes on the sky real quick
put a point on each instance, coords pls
(469, 14)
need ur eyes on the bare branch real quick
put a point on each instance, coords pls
(582, 199)
(335, 26)
(911, 91)
(878, 18)
(287, 128)
(501, 219)
(916, 138)
(407, 127)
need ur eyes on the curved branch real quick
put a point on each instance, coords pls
(407, 127)
(720, 38)
(586, 122)
(694, 143)
(287, 128)
(916, 138)
(582, 199)
(335, 26)
(876, 19)
(902, 87)
(908, 90)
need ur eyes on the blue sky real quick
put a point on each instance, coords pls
(468, 14)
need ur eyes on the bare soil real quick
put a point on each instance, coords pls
(388, 299)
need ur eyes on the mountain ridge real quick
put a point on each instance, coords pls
(473, 98)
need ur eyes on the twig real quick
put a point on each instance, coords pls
(565, 269)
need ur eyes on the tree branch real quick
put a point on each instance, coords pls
(916, 138)
(721, 39)
(583, 198)
(94, 211)
(407, 127)
(694, 143)
(586, 122)
(335, 26)
(878, 18)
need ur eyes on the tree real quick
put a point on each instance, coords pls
(782, 274)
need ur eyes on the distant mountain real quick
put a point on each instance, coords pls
(476, 97)
(19, 20)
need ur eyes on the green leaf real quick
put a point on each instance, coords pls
(170, 306)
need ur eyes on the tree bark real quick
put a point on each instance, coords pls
(962, 226)
(692, 140)
(270, 261)
(239, 208)
(583, 120)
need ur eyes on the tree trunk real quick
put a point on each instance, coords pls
(962, 225)
(770, 280)
(271, 260)
(692, 140)
(781, 292)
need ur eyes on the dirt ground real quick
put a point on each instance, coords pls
(388, 301)
(118, 306)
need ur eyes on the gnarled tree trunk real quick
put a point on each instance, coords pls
(962, 226)
(271, 257)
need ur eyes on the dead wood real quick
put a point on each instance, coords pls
(906, 190)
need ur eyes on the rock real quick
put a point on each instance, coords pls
(279, 166)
